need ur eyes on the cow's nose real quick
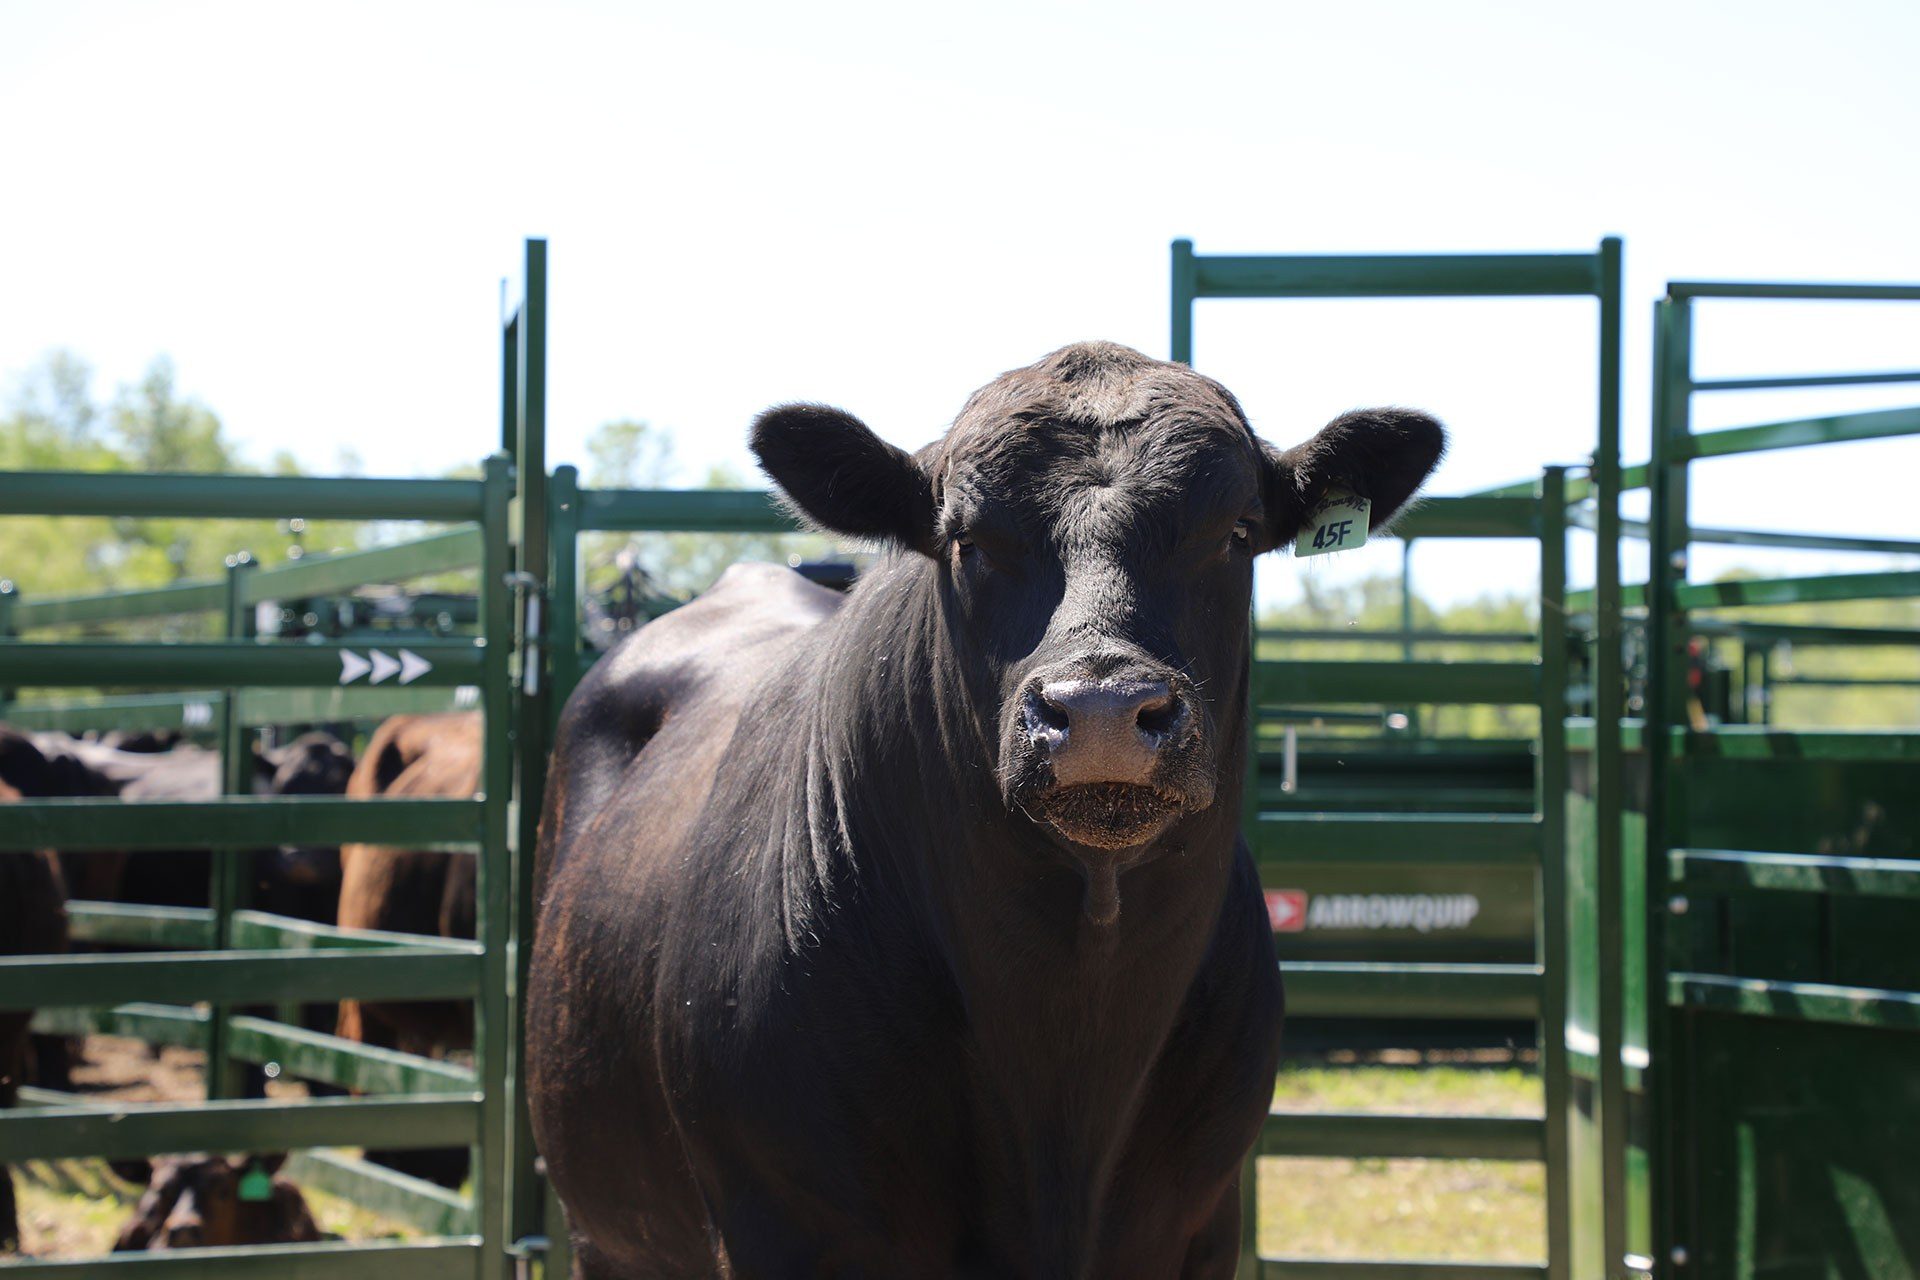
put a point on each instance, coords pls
(1104, 730)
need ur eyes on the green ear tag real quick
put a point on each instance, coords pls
(256, 1184)
(1339, 523)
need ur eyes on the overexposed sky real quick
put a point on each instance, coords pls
(310, 207)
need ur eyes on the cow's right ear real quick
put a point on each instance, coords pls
(844, 478)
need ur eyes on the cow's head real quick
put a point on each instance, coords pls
(196, 1202)
(1092, 521)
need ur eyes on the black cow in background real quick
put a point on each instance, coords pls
(33, 921)
(911, 933)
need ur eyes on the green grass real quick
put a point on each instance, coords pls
(1457, 1210)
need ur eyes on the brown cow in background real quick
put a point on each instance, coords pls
(414, 891)
(204, 1202)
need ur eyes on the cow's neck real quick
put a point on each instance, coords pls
(1065, 1019)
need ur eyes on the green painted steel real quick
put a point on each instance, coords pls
(1892, 584)
(1686, 290)
(192, 664)
(1800, 1001)
(1880, 424)
(1807, 380)
(453, 1259)
(1743, 871)
(149, 1129)
(316, 575)
(238, 822)
(1393, 276)
(96, 493)
(424, 1206)
(1374, 1135)
(154, 1023)
(1368, 1269)
(1494, 839)
(1471, 517)
(127, 924)
(1429, 991)
(262, 930)
(348, 1064)
(154, 602)
(236, 977)
(1394, 682)
(685, 511)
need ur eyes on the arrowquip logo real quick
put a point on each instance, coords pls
(1295, 911)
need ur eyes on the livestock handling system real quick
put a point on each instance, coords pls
(1755, 880)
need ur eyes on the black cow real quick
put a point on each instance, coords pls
(913, 935)
(33, 921)
(295, 880)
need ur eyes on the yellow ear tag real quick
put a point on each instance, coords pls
(1339, 523)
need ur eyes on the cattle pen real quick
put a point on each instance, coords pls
(1696, 910)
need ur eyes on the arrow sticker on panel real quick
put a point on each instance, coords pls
(383, 666)
(352, 666)
(412, 666)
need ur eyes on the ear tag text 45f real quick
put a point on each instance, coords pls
(1339, 523)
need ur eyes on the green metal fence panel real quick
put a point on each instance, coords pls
(448, 552)
(1837, 428)
(154, 1023)
(1448, 839)
(424, 1206)
(348, 1064)
(1361, 989)
(128, 924)
(1396, 682)
(1744, 871)
(683, 511)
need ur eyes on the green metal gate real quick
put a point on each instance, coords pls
(1782, 890)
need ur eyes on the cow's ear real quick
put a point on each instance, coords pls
(1383, 455)
(844, 478)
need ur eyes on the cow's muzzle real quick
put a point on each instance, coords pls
(1105, 755)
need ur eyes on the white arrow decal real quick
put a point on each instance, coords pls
(352, 666)
(383, 666)
(412, 666)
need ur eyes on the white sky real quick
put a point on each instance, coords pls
(310, 208)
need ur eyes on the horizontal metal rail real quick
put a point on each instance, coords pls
(1344, 636)
(1885, 585)
(1800, 1001)
(1372, 1135)
(154, 1023)
(1678, 289)
(1343, 989)
(151, 1129)
(264, 931)
(684, 511)
(1396, 682)
(212, 662)
(314, 1055)
(1761, 742)
(225, 497)
(1279, 1268)
(1462, 275)
(238, 822)
(448, 1259)
(1740, 871)
(1470, 517)
(1805, 380)
(1459, 840)
(1805, 633)
(132, 924)
(1879, 424)
(422, 1205)
(240, 977)
(114, 606)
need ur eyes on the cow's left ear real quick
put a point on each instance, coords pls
(1383, 455)
(844, 478)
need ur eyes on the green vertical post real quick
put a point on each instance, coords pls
(1550, 914)
(493, 1015)
(1185, 284)
(1406, 625)
(563, 584)
(532, 697)
(1609, 789)
(231, 872)
(1249, 1268)
(9, 600)
(510, 384)
(1666, 714)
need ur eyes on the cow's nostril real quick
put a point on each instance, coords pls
(1046, 713)
(1158, 716)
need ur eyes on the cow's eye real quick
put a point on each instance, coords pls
(1242, 533)
(962, 544)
